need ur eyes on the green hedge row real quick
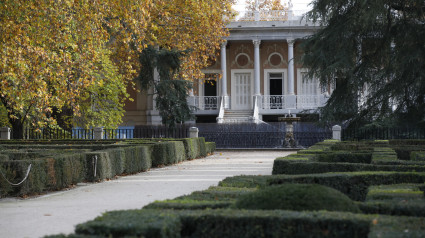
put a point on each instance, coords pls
(284, 166)
(225, 223)
(45, 174)
(53, 170)
(345, 157)
(354, 184)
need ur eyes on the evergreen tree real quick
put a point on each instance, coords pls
(374, 51)
(171, 91)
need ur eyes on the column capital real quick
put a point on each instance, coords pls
(256, 42)
(290, 41)
(223, 44)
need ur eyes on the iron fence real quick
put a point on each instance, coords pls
(263, 135)
(249, 135)
(57, 134)
(383, 133)
(180, 131)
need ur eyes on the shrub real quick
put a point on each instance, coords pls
(217, 194)
(283, 166)
(299, 197)
(244, 181)
(417, 156)
(346, 156)
(403, 152)
(167, 152)
(353, 184)
(210, 147)
(383, 154)
(133, 223)
(186, 204)
(392, 208)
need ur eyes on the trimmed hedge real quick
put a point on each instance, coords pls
(45, 174)
(62, 164)
(354, 184)
(225, 223)
(284, 166)
(188, 204)
(217, 194)
(133, 223)
(210, 147)
(113, 162)
(298, 197)
(383, 154)
(416, 209)
(345, 157)
(417, 156)
(403, 152)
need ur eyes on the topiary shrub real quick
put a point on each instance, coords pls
(299, 197)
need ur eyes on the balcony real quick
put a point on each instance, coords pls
(205, 104)
(276, 104)
(268, 104)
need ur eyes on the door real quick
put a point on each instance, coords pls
(276, 90)
(210, 95)
(242, 91)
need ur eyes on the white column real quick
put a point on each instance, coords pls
(290, 66)
(223, 69)
(224, 96)
(257, 67)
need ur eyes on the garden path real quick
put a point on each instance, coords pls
(59, 212)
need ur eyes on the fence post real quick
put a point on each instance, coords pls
(336, 132)
(5, 133)
(98, 133)
(193, 132)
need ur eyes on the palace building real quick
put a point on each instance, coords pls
(256, 78)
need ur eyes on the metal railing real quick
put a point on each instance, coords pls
(205, 102)
(309, 101)
(302, 101)
(273, 102)
(161, 131)
(383, 133)
(263, 135)
(57, 134)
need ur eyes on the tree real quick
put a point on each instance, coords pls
(375, 53)
(171, 90)
(266, 5)
(52, 52)
(190, 24)
(78, 57)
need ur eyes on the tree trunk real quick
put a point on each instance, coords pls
(17, 129)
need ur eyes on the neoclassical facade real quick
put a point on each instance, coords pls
(255, 78)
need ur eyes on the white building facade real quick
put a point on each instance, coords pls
(257, 76)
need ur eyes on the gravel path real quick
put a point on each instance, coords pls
(59, 212)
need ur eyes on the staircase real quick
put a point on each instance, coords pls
(238, 116)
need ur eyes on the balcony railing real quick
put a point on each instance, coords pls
(309, 101)
(273, 102)
(205, 102)
(276, 102)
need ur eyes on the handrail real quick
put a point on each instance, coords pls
(256, 115)
(221, 111)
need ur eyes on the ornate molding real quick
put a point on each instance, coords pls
(256, 42)
(290, 41)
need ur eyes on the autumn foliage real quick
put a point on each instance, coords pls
(82, 55)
